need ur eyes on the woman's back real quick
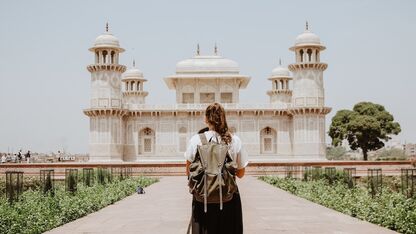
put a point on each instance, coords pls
(225, 217)
(235, 151)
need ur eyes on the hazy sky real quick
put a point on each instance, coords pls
(44, 83)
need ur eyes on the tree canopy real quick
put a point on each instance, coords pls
(364, 127)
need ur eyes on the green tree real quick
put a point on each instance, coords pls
(365, 127)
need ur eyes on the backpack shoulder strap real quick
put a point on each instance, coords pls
(203, 138)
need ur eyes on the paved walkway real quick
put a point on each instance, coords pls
(165, 208)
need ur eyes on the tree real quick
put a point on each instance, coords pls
(365, 127)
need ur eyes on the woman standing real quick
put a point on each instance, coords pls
(230, 219)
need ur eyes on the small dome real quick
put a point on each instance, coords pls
(107, 40)
(307, 38)
(133, 74)
(280, 72)
(207, 64)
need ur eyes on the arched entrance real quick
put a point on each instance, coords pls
(146, 141)
(268, 141)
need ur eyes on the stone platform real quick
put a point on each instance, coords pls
(177, 168)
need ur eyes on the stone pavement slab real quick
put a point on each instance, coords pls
(166, 208)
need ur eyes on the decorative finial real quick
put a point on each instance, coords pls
(197, 49)
(307, 26)
(134, 63)
(106, 27)
(280, 61)
(216, 49)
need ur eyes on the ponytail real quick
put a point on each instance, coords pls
(215, 115)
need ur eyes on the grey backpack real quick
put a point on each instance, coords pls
(212, 173)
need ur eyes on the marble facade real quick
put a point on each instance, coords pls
(124, 128)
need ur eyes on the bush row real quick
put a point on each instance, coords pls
(37, 213)
(29, 183)
(389, 209)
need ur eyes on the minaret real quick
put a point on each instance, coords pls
(106, 111)
(133, 92)
(280, 94)
(308, 100)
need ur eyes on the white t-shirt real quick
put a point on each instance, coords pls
(236, 150)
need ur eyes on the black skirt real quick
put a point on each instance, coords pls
(229, 220)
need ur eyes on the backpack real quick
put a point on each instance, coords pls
(212, 173)
(140, 190)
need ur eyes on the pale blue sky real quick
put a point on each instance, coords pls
(44, 84)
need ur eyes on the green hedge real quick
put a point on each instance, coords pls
(390, 209)
(36, 213)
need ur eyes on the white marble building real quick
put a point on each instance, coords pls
(124, 128)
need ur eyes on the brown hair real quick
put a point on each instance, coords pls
(215, 115)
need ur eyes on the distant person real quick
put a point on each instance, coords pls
(27, 155)
(3, 158)
(224, 216)
(19, 156)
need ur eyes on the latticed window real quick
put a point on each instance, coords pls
(188, 98)
(147, 145)
(268, 140)
(268, 144)
(207, 97)
(226, 97)
(147, 136)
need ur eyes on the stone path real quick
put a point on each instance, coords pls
(165, 208)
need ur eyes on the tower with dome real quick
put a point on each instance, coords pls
(123, 127)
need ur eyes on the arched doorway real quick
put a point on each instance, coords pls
(146, 141)
(268, 141)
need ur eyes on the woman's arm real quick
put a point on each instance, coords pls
(187, 167)
(240, 172)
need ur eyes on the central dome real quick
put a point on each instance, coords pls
(207, 64)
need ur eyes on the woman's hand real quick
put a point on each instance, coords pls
(240, 172)
(187, 167)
